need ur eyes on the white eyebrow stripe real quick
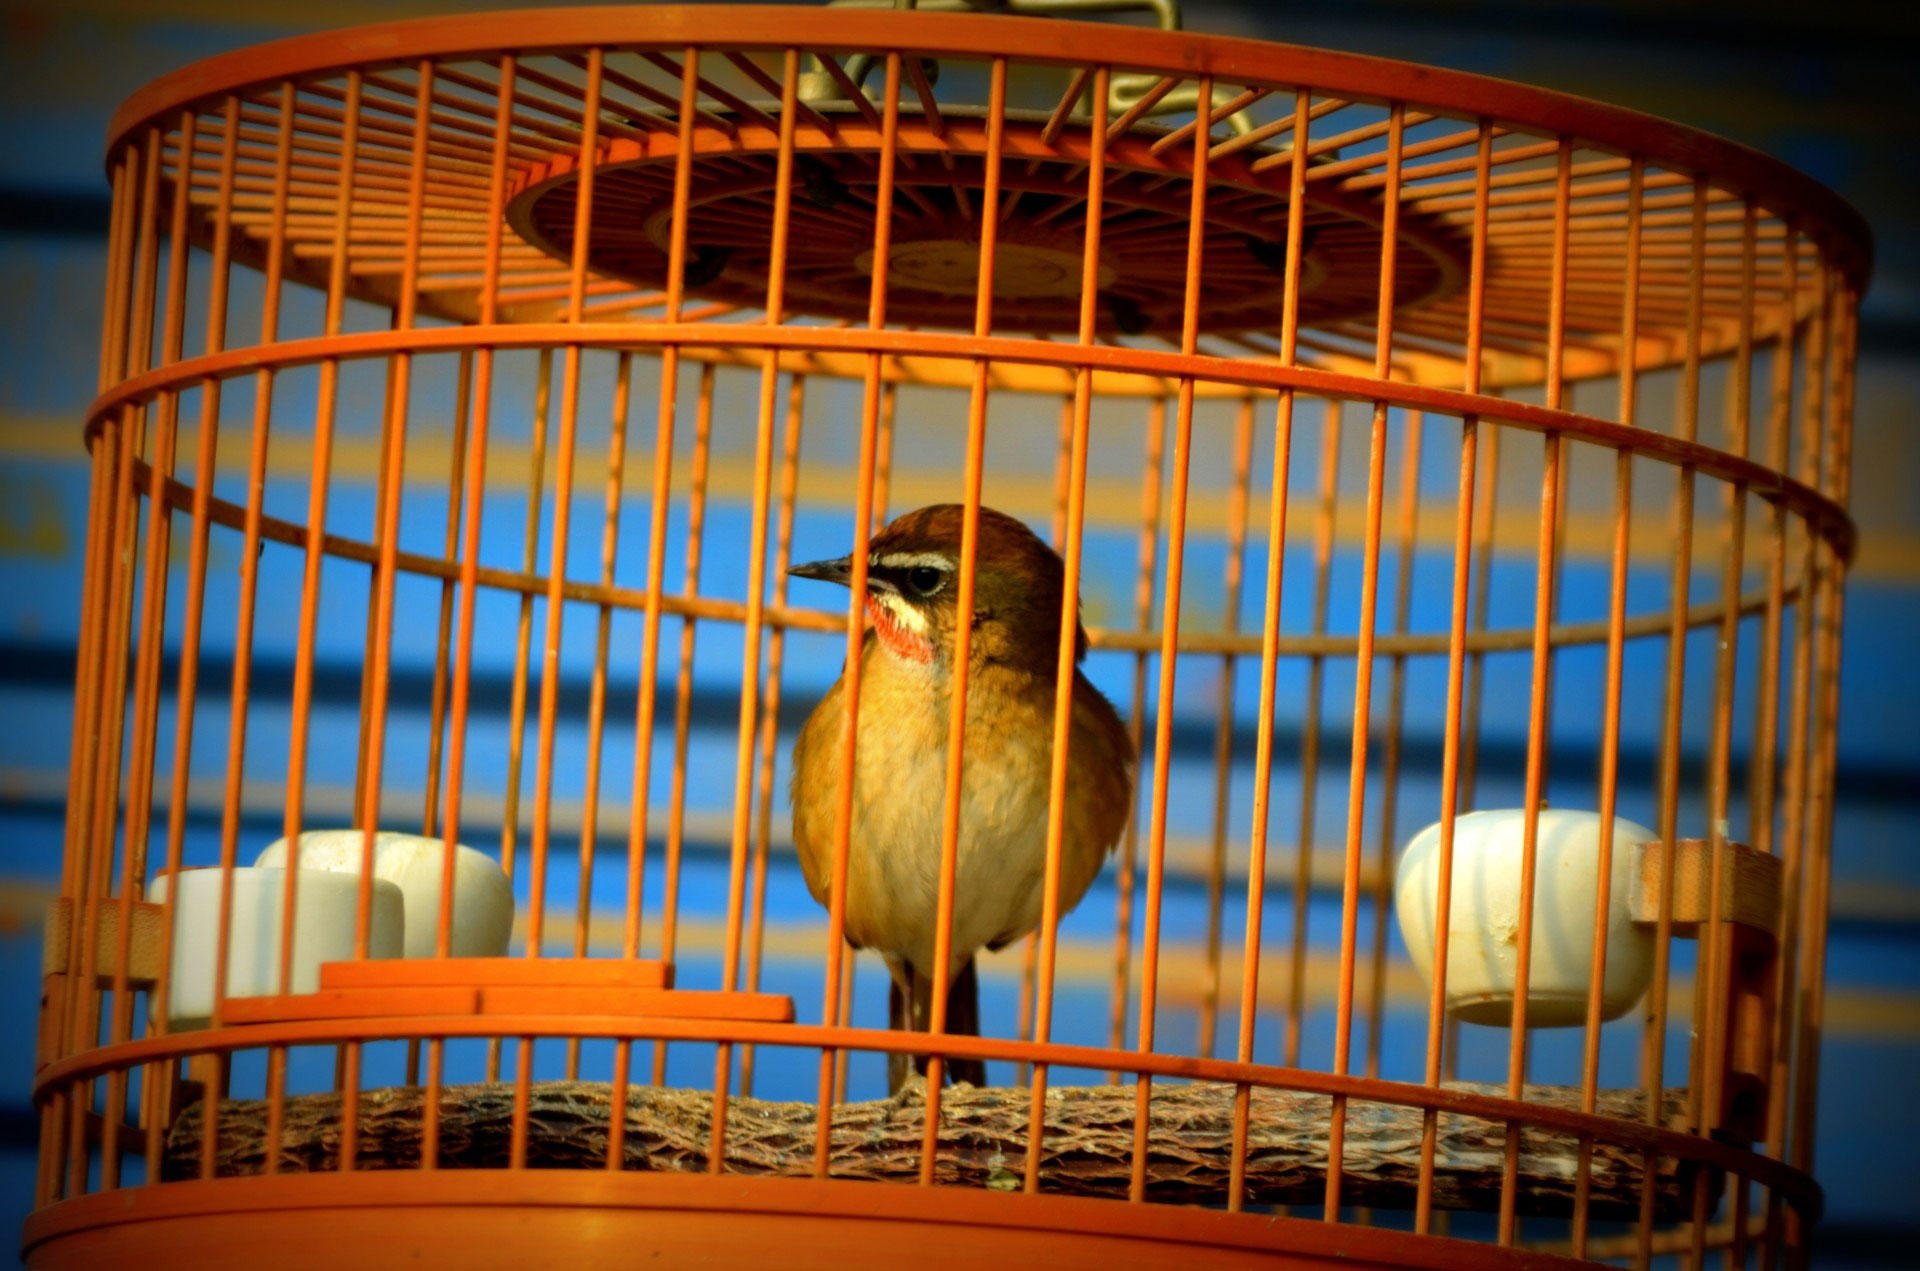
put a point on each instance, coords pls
(914, 560)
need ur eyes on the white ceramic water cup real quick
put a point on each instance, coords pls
(1484, 928)
(325, 906)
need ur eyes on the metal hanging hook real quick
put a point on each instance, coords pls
(1126, 89)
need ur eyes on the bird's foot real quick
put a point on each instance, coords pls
(913, 1090)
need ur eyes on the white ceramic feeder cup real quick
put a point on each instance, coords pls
(325, 909)
(1484, 932)
(482, 896)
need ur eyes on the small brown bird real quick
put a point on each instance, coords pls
(900, 761)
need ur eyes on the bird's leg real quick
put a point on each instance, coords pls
(963, 1017)
(920, 1004)
(906, 1012)
(921, 995)
(900, 1065)
(915, 1002)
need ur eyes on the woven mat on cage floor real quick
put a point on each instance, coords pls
(1088, 1145)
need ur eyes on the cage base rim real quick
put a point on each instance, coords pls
(613, 1218)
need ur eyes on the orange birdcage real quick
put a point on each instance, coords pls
(1523, 419)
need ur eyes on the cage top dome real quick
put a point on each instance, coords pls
(1383, 133)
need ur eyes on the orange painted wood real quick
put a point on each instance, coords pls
(1826, 516)
(1797, 1187)
(1228, 59)
(520, 1218)
(352, 1004)
(53, 990)
(133, 1138)
(384, 973)
(772, 1008)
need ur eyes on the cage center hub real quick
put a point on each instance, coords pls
(951, 266)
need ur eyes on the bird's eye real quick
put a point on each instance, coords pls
(925, 580)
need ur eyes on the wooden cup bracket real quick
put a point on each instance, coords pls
(144, 941)
(1745, 906)
(505, 986)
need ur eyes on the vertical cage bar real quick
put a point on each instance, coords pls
(1232, 573)
(660, 502)
(523, 635)
(1277, 505)
(683, 692)
(968, 576)
(1701, 1031)
(1763, 792)
(1609, 775)
(112, 737)
(158, 1084)
(756, 594)
(146, 265)
(249, 557)
(1771, 787)
(437, 701)
(78, 828)
(1788, 1225)
(588, 153)
(111, 443)
(1067, 641)
(1451, 736)
(120, 438)
(1152, 476)
(1170, 638)
(1715, 969)
(1407, 502)
(474, 486)
(883, 455)
(1325, 519)
(438, 693)
(1363, 660)
(560, 530)
(769, 758)
(320, 464)
(1832, 465)
(869, 512)
(602, 650)
(386, 570)
(62, 1033)
(381, 491)
(240, 690)
(1653, 1056)
(1540, 697)
(210, 1072)
(646, 705)
(1057, 537)
(1062, 476)
(1486, 508)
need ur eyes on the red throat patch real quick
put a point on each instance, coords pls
(902, 642)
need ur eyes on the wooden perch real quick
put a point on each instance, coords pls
(1088, 1146)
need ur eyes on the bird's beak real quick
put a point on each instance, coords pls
(828, 571)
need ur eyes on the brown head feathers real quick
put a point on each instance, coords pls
(1017, 583)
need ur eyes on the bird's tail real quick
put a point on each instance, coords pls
(963, 1018)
